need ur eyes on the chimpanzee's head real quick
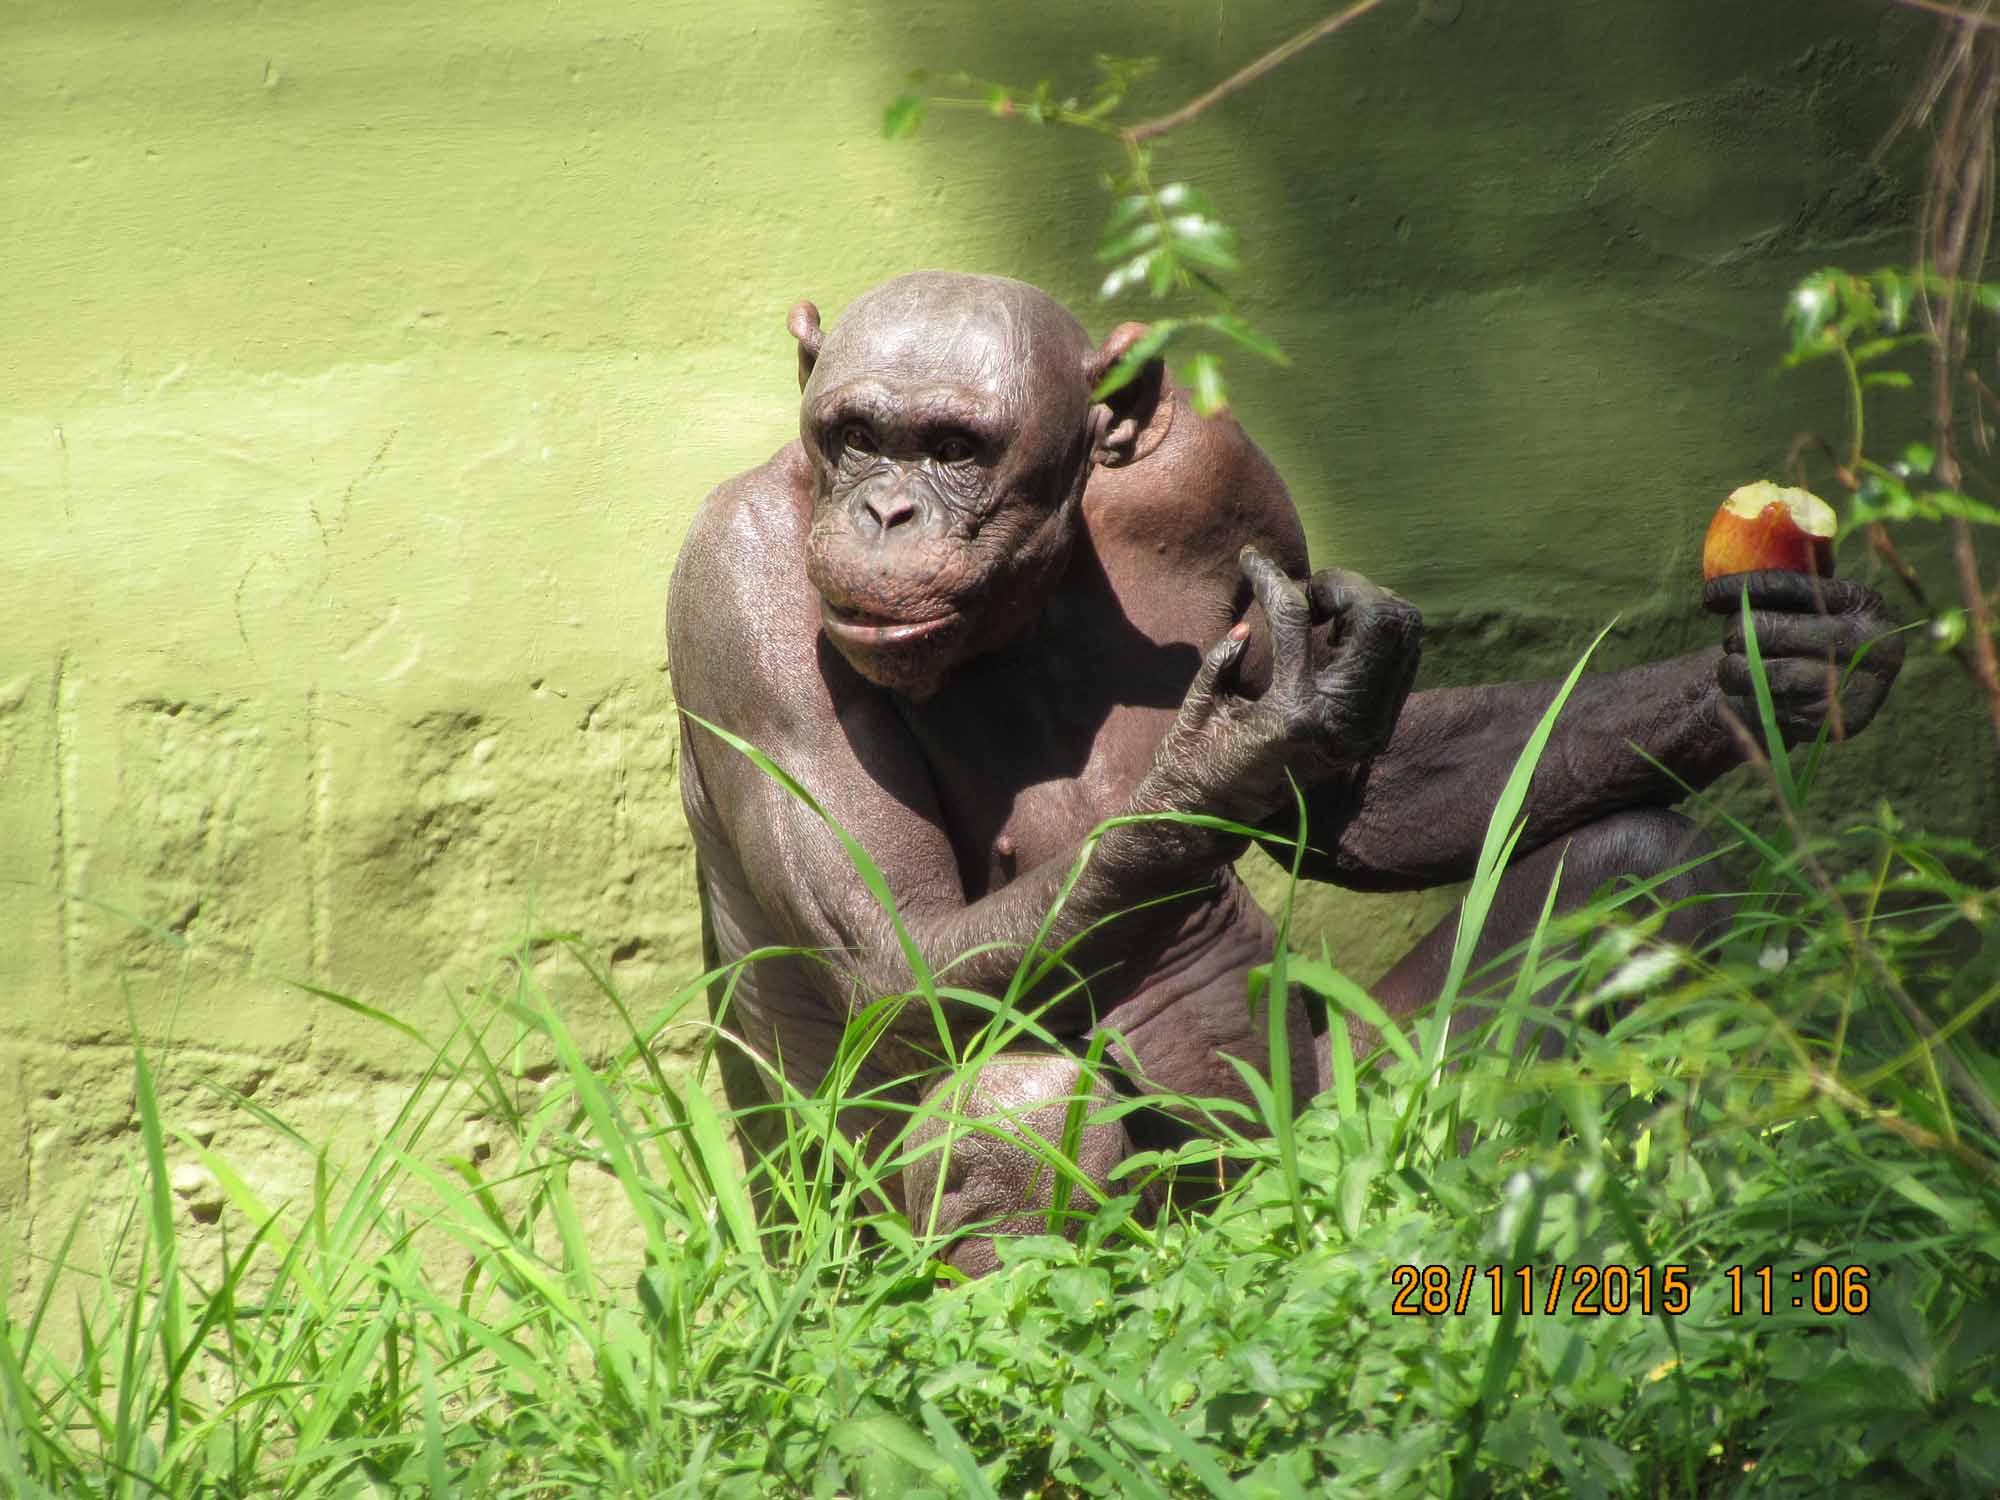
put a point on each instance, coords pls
(950, 427)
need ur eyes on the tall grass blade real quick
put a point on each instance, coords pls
(871, 875)
(960, 1457)
(1163, 1428)
(1767, 715)
(731, 1201)
(166, 1242)
(1503, 832)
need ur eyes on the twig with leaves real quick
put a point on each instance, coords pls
(1164, 239)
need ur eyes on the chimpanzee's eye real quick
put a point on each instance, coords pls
(858, 438)
(954, 450)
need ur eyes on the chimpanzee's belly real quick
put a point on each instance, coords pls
(1023, 785)
(1190, 1012)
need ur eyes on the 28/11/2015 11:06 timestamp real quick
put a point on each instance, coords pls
(1593, 1291)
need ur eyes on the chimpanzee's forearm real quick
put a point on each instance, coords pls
(1418, 815)
(1142, 887)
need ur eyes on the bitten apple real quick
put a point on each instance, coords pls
(1766, 525)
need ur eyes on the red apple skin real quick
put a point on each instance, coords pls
(1769, 539)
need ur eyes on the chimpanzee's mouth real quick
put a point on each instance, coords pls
(862, 627)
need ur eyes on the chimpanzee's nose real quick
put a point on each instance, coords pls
(892, 509)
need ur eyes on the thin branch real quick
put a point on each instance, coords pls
(1879, 540)
(1950, 12)
(1956, 223)
(1147, 130)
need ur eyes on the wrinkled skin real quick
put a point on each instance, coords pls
(976, 613)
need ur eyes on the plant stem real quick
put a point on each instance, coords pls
(1853, 402)
(1147, 130)
(1950, 12)
(1935, 1047)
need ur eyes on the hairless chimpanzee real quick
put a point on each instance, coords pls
(976, 612)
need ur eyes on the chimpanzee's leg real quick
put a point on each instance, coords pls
(995, 1177)
(1643, 842)
(1173, 1038)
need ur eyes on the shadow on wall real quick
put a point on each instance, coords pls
(1517, 262)
(1529, 266)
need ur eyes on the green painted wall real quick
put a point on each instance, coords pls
(364, 364)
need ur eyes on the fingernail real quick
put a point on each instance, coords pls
(1240, 631)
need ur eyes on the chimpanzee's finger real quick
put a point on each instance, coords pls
(1331, 594)
(1286, 608)
(1797, 593)
(1813, 637)
(1794, 680)
(1217, 674)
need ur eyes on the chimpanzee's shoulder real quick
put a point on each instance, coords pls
(739, 586)
(750, 531)
(1202, 489)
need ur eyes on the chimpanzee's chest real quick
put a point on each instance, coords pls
(1029, 750)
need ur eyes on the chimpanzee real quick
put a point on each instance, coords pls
(976, 611)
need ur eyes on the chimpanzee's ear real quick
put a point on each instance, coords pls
(804, 325)
(1130, 421)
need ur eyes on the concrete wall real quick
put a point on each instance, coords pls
(363, 365)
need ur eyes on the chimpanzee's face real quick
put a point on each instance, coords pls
(948, 422)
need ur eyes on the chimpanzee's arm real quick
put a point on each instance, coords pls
(1417, 815)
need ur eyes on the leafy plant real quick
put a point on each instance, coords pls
(426, 1324)
(1166, 239)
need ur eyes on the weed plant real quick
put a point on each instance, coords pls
(1788, 1146)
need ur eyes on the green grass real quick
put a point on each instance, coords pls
(1822, 1090)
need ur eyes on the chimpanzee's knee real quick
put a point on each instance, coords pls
(997, 1182)
(1643, 844)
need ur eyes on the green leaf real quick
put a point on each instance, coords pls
(1140, 236)
(888, 1452)
(1233, 327)
(1920, 458)
(1882, 497)
(1323, 979)
(1873, 349)
(368, 1012)
(1893, 379)
(957, 1453)
(1204, 241)
(903, 116)
(1162, 1428)
(1938, 505)
(864, 866)
(1503, 832)
(1809, 310)
(1183, 198)
(1893, 297)
(1147, 347)
(1210, 395)
(1125, 210)
(1133, 273)
(1102, 105)
(1080, 1293)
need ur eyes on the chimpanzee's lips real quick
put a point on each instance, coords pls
(858, 627)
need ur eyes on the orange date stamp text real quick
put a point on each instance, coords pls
(1589, 1291)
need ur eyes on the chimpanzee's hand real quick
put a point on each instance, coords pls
(1344, 653)
(1809, 632)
